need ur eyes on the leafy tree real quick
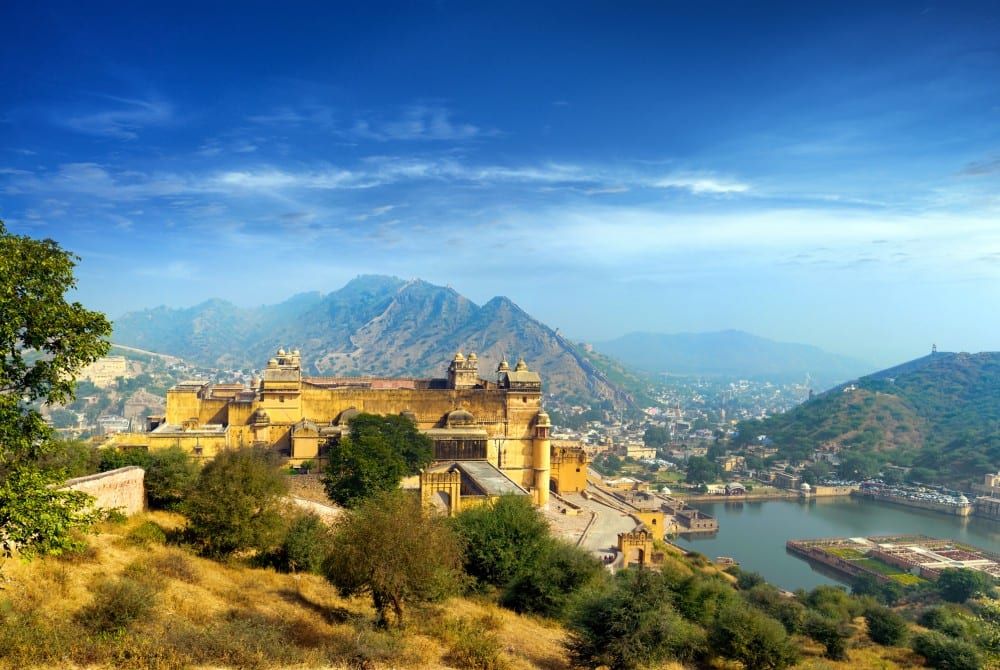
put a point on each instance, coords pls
(374, 457)
(235, 505)
(73, 458)
(700, 599)
(947, 653)
(45, 341)
(858, 465)
(959, 584)
(502, 539)
(631, 624)
(700, 470)
(833, 602)
(885, 626)
(752, 637)
(656, 436)
(831, 633)
(546, 585)
(307, 543)
(391, 549)
(885, 592)
(789, 611)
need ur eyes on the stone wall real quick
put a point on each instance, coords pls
(123, 488)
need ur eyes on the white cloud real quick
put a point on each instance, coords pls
(123, 121)
(702, 184)
(418, 122)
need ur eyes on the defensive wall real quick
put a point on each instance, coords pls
(122, 489)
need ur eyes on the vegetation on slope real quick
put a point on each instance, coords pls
(939, 414)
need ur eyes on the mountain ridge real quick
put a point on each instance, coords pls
(375, 324)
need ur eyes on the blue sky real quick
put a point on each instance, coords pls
(826, 173)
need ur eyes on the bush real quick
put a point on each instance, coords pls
(630, 624)
(949, 620)
(236, 504)
(546, 586)
(957, 585)
(885, 626)
(945, 653)
(306, 545)
(699, 598)
(170, 473)
(789, 611)
(501, 539)
(474, 645)
(117, 604)
(834, 602)
(753, 638)
(831, 633)
(145, 534)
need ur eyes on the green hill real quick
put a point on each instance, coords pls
(939, 414)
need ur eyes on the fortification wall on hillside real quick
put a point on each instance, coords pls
(123, 488)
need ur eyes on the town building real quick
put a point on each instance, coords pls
(104, 372)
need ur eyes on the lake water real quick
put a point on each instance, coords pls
(754, 533)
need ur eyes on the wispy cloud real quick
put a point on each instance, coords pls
(702, 184)
(123, 120)
(980, 168)
(418, 122)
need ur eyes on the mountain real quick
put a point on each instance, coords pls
(730, 353)
(939, 413)
(373, 325)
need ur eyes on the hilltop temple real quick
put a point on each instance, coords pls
(491, 437)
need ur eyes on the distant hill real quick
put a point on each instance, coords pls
(940, 413)
(730, 353)
(374, 325)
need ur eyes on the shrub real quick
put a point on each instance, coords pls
(789, 611)
(946, 653)
(474, 645)
(885, 626)
(833, 602)
(700, 598)
(236, 504)
(753, 638)
(117, 604)
(170, 473)
(501, 539)
(959, 584)
(831, 633)
(630, 624)
(546, 586)
(145, 534)
(176, 565)
(305, 546)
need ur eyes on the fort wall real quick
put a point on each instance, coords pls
(122, 489)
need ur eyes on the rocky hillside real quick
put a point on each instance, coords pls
(940, 413)
(373, 325)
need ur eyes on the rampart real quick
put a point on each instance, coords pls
(123, 489)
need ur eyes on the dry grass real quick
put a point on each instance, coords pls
(208, 614)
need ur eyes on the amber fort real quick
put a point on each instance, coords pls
(491, 436)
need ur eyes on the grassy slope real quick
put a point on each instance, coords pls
(208, 614)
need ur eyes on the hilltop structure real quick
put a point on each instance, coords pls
(491, 437)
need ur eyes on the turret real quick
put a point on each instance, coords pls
(541, 457)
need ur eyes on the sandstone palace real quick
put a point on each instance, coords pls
(491, 437)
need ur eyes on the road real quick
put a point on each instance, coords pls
(603, 535)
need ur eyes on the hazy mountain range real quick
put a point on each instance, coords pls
(731, 353)
(387, 326)
(373, 325)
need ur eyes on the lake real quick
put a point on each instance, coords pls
(754, 533)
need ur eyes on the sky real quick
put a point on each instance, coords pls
(826, 173)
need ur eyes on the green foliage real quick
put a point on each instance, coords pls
(235, 505)
(146, 534)
(377, 454)
(305, 546)
(546, 585)
(656, 436)
(117, 604)
(69, 458)
(631, 624)
(473, 644)
(45, 340)
(700, 469)
(502, 538)
(833, 602)
(947, 653)
(957, 585)
(753, 638)
(789, 611)
(833, 634)
(170, 472)
(700, 598)
(885, 626)
(389, 548)
(885, 592)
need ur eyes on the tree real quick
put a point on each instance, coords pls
(959, 584)
(831, 633)
(885, 626)
(501, 538)
(656, 436)
(631, 624)
(170, 473)
(307, 543)
(236, 503)
(701, 470)
(947, 653)
(45, 341)
(374, 457)
(546, 585)
(755, 639)
(391, 549)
